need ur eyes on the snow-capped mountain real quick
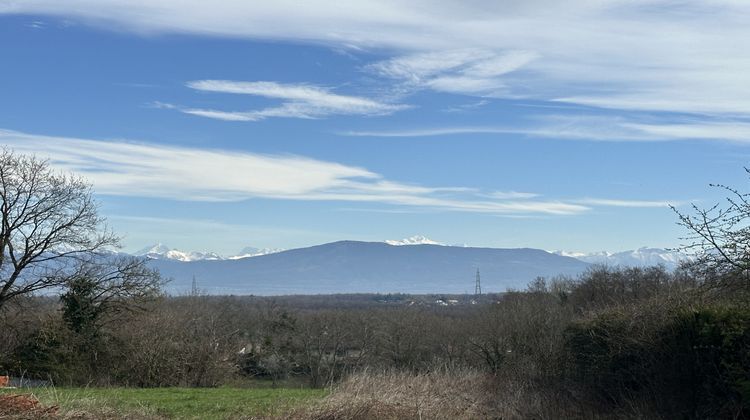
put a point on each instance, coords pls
(163, 252)
(369, 267)
(640, 257)
(153, 251)
(414, 240)
(250, 251)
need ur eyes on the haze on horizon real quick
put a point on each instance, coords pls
(213, 127)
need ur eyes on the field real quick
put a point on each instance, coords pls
(196, 403)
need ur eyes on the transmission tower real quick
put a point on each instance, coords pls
(478, 285)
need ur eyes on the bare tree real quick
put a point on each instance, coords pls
(50, 226)
(720, 236)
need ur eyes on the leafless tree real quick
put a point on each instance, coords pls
(720, 237)
(50, 225)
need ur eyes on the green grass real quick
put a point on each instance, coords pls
(182, 403)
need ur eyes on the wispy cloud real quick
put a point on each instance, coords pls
(501, 195)
(430, 131)
(630, 203)
(465, 71)
(735, 131)
(298, 101)
(135, 169)
(36, 24)
(656, 55)
(589, 127)
(558, 127)
(468, 107)
(192, 174)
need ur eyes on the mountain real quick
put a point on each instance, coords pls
(163, 252)
(414, 240)
(250, 251)
(376, 267)
(419, 240)
(640, 257)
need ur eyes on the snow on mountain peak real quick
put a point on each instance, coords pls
(159, 248)
(414, 240)
(643, 256)
(162, 252)
(250, 251)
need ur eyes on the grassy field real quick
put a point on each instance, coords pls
(187, 403)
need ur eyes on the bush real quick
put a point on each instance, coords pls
(685, 364)
(710, 360)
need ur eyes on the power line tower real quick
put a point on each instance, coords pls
(478, 285)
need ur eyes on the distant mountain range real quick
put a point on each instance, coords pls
(160, 251)
(640, 257)
(411, 265)
(644, 256)
(163, 252)
(368, 267)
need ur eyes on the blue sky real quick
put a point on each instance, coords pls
(507, 124)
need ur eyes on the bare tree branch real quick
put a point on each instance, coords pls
(720, 239)
(50, 226)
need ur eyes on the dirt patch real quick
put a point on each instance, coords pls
(24, 406)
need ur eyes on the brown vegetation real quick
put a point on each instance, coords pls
(24, 406)
(400, 395)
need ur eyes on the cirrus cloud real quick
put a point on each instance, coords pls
(655, 55)
(298, 101)
(192, 174)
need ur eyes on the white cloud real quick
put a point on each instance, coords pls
(429, 132)
(37, 24)
(466, 71)
(590, 127)
(725, 130)
(657, 55)
(133, 169)
(299, 101)
(191, 174)
(554, 126)
(467, 107)
(629, 203)
(220, 115)
(180, 173)
(512, 194)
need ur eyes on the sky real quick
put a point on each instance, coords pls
(212, 126)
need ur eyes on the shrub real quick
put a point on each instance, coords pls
(684, 363)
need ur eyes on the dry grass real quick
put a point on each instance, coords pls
(26, 406)
(396, 395)
(449, 395)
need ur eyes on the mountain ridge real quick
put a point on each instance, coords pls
(643, 256)
(370, 267)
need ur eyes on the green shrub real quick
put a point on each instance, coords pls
(687, 364)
